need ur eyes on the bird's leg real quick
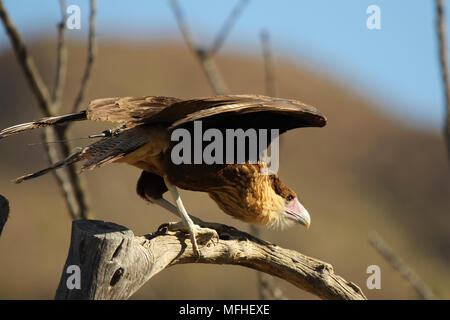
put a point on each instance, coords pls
(166, 205)
(193, 229)
(170, 207)
(179, 225)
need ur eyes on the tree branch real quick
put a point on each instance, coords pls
(4, 212)
(398, 264)
(64, 181)
(92, 50)
(205, 58)
(61, 59)
(267, 289)
(440, 26)
(227, 26)
(268, 65)
(114, 263)
(27, 63)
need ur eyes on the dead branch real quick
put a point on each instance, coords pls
(114, 263)
(399, 265)
(267, 289)
(27, 63)
(206, 57)
(92, 49)
(440, 25)
(4, 212)
(227, 26)
(61, 59)
(68, 179)
(269, 71)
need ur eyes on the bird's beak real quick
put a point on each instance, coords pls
(294, 210)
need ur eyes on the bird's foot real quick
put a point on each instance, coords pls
(198, 234)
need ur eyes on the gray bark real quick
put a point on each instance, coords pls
(114, 263)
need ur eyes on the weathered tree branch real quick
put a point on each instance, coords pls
(440, 26)
(114, 263)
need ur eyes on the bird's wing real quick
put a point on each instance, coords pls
(44, 122)
(127, 110)
(244, 111)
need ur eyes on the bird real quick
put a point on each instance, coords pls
(144, 138)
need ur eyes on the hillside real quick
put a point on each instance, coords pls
(364, 171)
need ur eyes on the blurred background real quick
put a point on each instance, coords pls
(379, 165)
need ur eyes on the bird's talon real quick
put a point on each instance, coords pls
(199, 236)
(177, 226)
(163, 228)
(206, 235)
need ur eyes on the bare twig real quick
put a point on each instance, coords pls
(205, 59)
(440, 25)
(227, 26)
(92, 50)
(398, 264)
(114, 263)
(78, 208)
(214, 77)
(27, 63)
(61, 60)
(182, 25)
(268, 65)
(61, 176)
(267, 288)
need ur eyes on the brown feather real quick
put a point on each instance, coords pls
(44, 122)
(128, 110)
(247, 195)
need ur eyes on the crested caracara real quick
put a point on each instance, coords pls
(144, 139)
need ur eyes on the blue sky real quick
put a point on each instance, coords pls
(398, 65)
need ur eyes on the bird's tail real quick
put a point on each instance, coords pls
(110, 148)
(44, 122)
(74, 157)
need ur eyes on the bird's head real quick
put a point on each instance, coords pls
(289, 207)
(248, 195)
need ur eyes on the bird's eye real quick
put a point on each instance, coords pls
(290, 197)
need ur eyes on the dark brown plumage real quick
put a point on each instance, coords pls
(143, 139)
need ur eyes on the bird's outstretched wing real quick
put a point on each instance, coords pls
(244, 111)
(135, 113)
(128, 111)
(44, 122)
